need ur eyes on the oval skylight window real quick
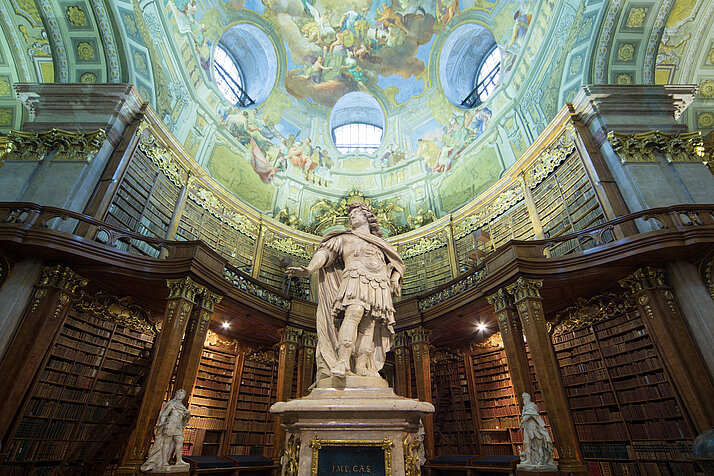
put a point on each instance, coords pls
(245, 47)
(463, 56)
(357, 123)
(488, 74)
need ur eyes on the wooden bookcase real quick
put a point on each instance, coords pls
(253, 425)
(566, 202)
(497, 404)
(144, 202)
(197, 223)
(453, 423)
(84, 399)
(426, 271)
(210, 402)
(626, 410)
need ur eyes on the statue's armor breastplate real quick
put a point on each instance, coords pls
(364, 259)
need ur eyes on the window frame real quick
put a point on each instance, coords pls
(354, 145)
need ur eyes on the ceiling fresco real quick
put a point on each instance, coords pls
(416, 60)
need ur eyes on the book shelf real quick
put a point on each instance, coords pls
(253, 425)
(566, 202)
(144, 202)
(83, 400)
(453, 424)
(626, 411)
(426, 271)
(497, 405)
(209, 403)
(272, 274)
(197, 223)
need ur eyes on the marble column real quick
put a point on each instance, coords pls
(645, 180)
(193, 342)
(179, 304)
(422, 368)
(83, 108)
(513, 344)
(529, 304)
(660, 312)
(51, 299)
(287, 362)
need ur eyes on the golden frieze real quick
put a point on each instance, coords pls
(586, 312)
(213, 340)
(68, 146)
(122, 311)
(642, 147)
(551, 157)
(494, 341)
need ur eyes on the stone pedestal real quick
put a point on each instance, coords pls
(351, 423)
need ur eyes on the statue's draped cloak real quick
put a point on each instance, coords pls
(330, 278)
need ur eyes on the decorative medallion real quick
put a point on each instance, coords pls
(636, 17)
(5, 117)
(88, 78)
(4, 87)
(705, 120)
(85, 51)
(76, 16)
(706, 89)
(626, 52)
(623, 79)
(140, 62)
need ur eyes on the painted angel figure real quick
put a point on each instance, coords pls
(359, 271)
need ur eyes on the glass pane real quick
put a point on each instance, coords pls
(357, 137)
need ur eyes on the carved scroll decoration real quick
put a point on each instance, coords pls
(69, 146)
(641, 147)
(586, 312)
(122, 311)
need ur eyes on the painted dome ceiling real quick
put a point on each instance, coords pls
(401, 66)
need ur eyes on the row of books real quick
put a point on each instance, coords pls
(579, 369)
(123, 367)
(243, 438)
(45, 390)
(635, 368)
(664, 429)
(639, 380)
(606, 341)
(662, 450)
(134, 338)
(72, 367)
(117, 375)
(587, 389)
(76, 355)
(661, 390)
(608, 468)
(61, 378)
(132, 359)
(37, 450)
(219, 357)
(131, 348)
(249, 425)
(208, 412)
(213, 384)
(198, 400)
(213, 394)
(601, 414)
(651, 410)
(630, 348)
(222, 377)
(615, 326)
(581, 333)
(501, 392)
(79, 344)
(499, 411)
(501, 402)
(30, 427)
(96, 326)
(113, 387)
(602, 431)
(575, 378)
(668, 469)
(207, 423)
(606, 451)
(495, 438)
(566, 359)
(499, 423)
(592, 400)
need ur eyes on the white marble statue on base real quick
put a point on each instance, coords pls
(359, 272)
(173, 417)
(537, 454)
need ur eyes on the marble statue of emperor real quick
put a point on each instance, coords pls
(358, 274)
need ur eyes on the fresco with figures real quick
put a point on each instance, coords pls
(279, 155)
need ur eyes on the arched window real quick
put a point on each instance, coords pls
(357, 137)
(229, 79)
(488, 74)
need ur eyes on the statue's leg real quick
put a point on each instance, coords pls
(346, 339)
(178, 440)
(365, 347)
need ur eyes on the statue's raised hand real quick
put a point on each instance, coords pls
(293, 271)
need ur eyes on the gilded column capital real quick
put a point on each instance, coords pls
(61, 277)
(644, 279)
(208, 300)
(500, 300)
(400, 339)
(290, 334)
(525, 288)
(184, 288)
(419, 334)
(309, 339)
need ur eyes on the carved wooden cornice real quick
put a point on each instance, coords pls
(418, 334)
(676, 147)
(63, 278)
(500, 300)
(69, 146)
(122, 311)
(214, 340)
(586, 312)
(495, 341)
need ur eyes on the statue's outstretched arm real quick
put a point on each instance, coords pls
(319, 259)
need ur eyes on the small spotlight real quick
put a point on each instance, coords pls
(226, 325)
(482, 327)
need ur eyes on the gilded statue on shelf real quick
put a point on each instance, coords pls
(168, 439)
(358, 274)
(537, 454)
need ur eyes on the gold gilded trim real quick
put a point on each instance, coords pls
(386, 444)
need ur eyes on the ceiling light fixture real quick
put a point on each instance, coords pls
(482, 327)
(226, 325)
